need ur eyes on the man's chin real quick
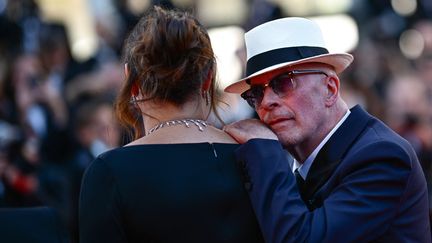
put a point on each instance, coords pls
(287, 140)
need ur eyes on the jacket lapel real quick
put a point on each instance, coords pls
(329, 157)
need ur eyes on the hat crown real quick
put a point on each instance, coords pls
(286, 42)
(283, 33)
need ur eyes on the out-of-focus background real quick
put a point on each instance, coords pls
(60, 69)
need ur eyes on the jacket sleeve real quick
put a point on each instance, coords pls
(361, 205)
(99, 214)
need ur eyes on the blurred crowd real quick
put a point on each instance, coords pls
(56, 112)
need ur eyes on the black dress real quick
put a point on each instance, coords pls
(166, 193)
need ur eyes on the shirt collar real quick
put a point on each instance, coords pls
(304, 168)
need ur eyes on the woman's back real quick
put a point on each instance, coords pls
(185, 192)
(178, 181)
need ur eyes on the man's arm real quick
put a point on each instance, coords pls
(359, 208)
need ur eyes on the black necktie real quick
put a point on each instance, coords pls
(299, 179)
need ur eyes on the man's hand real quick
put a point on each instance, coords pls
(244, 130)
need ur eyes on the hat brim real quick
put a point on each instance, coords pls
(340, 61)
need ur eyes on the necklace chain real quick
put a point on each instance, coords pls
(201, 124)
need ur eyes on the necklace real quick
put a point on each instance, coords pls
(201, 124)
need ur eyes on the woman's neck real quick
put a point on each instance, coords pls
(157, 114)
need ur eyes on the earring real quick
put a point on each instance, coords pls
(133, 100)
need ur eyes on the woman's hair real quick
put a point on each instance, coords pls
(168, 56)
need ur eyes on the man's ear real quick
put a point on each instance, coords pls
(332, 86)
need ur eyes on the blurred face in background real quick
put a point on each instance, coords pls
(97, 128)
(107, 127)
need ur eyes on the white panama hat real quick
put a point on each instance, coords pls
(286, 42)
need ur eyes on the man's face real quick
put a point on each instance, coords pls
(295, 108)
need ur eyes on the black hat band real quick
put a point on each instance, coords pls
(281, 55)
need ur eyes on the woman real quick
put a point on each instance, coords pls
(178, 181)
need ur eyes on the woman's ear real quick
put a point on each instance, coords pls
(134, 90)
(208, 81)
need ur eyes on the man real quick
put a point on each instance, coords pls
(357, 180)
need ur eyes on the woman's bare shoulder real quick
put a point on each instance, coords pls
(167, 136)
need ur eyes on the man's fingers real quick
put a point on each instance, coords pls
(244, 130)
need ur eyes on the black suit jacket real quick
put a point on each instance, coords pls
(365, 185)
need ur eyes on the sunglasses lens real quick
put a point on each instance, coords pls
(253, 96)
(282, 84)
(246, 96)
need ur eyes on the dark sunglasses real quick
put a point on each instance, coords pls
(281, 85)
